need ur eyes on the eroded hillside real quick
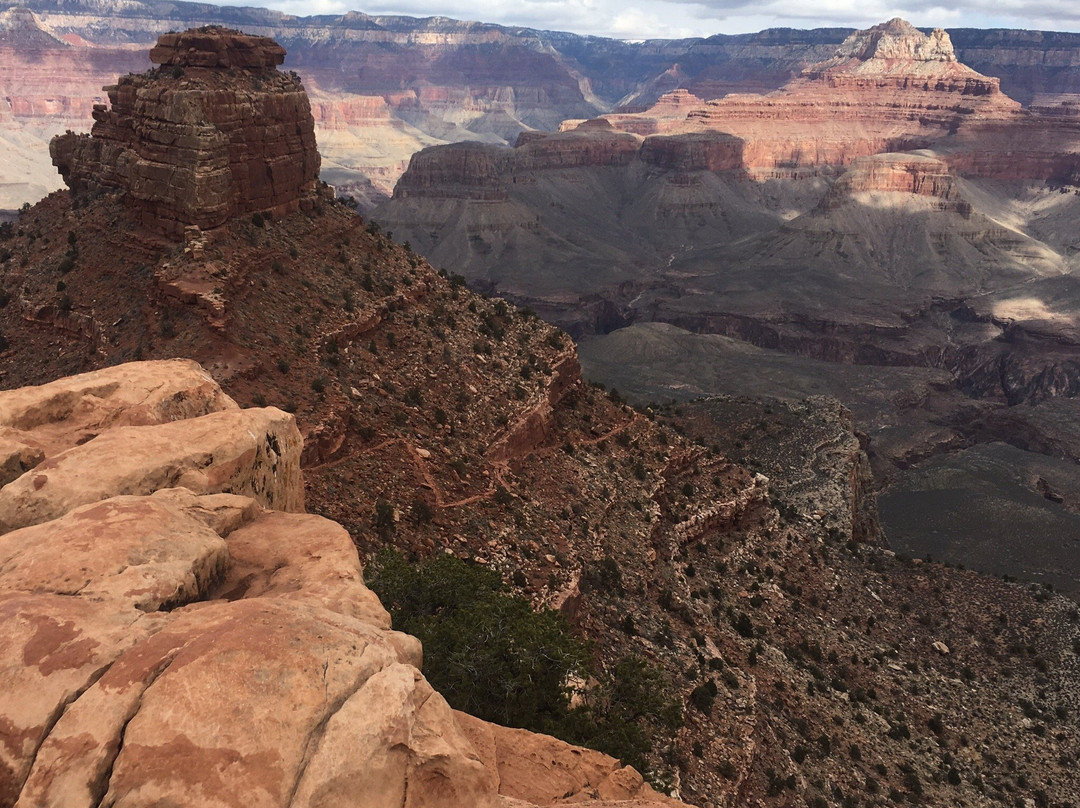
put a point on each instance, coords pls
(889, 227)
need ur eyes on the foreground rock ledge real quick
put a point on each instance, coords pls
(175, 635)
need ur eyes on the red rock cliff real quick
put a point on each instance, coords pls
(888, 88)
(216, 131)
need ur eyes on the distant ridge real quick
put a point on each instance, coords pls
(370, 122)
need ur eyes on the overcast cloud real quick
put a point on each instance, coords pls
(646, 19)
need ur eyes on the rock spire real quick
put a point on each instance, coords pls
(214, 132)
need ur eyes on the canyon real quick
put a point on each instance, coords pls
(889, 227)
(169, 526)
(385, 87)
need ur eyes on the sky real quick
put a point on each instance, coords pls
(650, 19)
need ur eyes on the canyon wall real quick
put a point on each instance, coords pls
(462, 80)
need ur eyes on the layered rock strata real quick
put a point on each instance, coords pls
(216, 131)
(890, 88)
(920, 175)
(476, 171)
(185, 643)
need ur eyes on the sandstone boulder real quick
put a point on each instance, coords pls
(300, 557)
(218, 708)
(16, 457)
(147, 553)
(541, 770)
(414, 753)
(252, 452)
(56, 416)
(54, 648)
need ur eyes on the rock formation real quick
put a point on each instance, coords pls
(191, 644)
(900, 45)
(477, 171)
(699, 151)
(888, 89)
(412, 90)
(907, 173)
(216, 131)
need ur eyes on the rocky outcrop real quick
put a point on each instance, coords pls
(894, 88)
(912, 173)
(1040, 148)
(253, 452)
(701, 151)
(175, 645)
(591, 143)
(1028, 63)
(214, 132)
(540, 770)
(216, 48)
(896, 40)
(477, 171)
(461, 171)
(75, 409)
(890, 88)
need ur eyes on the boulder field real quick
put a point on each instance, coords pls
(179, 631)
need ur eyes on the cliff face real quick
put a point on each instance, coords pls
(887, 89)
(1030, 64)
(912, 173)
(890, 88)
(477, 171)
(213, 133)
(706, 151)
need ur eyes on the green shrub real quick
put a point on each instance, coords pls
(602, 576)
(421, 511)
(486, 651)
(491, 655)
(384, 519)
(703, 696)
(622, 712)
